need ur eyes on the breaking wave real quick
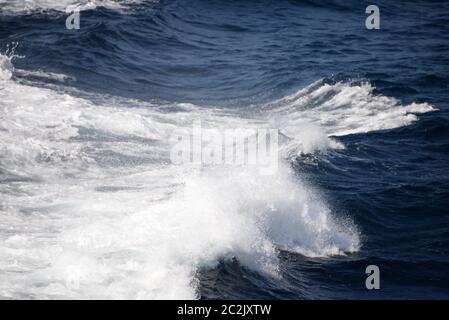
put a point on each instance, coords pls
(93, 208)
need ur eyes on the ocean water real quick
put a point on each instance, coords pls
(92, 207)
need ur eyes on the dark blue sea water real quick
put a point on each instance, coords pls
(85, 115)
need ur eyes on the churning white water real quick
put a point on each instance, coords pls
(91, 206)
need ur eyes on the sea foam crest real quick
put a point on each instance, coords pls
(345, 108)
(28, 6)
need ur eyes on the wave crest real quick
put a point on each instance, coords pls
(345, 108)
(31, 6)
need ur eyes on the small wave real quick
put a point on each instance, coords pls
(44, 75)
(344, 108)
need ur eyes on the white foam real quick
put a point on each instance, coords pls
(6, 68)
(28, 6)
(345, 108)
(93, 208)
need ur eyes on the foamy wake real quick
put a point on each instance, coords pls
(92, 208)
(30, 6)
